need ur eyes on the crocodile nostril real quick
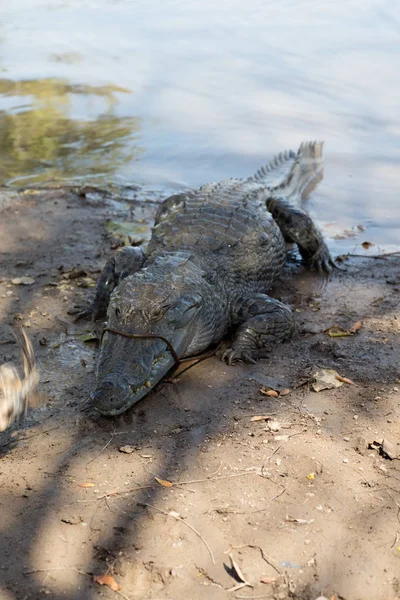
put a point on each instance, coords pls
(109, 394)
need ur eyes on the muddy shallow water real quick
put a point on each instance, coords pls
(175, 94)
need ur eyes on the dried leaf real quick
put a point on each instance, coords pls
(284, 392)
(273, 426)
(72, 519)
(107, 580)
(237, 569)
(311, 476)
(388, 450)
(337, 331)
(325, 379)
(23, 281)
(355, 327)
(367, 245)
(260, 418)
(88, 337)
(126, 449)
(86, 485)
(269, 392)
(345, 379)
(268, 579)
(298, 521)
(164, 482)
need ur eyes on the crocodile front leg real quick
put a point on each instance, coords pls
(298, 228)
(124, 262)
(264, 322)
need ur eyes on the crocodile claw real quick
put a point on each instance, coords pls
(85, 313)
(232, 355)
(322, 261)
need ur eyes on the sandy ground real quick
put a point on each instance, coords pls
(300, 501)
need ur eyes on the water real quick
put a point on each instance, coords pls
(173, 94)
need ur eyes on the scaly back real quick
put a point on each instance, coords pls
(220, 215)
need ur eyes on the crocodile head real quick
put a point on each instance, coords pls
(129, 368)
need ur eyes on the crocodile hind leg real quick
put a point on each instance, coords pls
(298, 228)
(124, 262)
(264, 322)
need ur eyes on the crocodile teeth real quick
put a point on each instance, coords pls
(148, 384)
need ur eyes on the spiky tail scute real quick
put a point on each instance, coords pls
(292, 175)
(18, 393)
(278, 168)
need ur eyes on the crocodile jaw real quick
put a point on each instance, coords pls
(115, 394)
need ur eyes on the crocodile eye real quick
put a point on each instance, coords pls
(157, 314)
(117, 312)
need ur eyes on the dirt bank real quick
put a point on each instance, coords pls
(299, 499)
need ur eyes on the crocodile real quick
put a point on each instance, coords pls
(214, 254)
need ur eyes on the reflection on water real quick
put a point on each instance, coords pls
(218, 88)
(39, 140)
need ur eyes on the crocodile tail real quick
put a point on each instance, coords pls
(293, 175)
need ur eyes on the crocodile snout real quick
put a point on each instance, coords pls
(110, 397)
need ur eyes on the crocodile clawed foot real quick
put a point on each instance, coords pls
(322, 261)
(232, 355)
(83, 313)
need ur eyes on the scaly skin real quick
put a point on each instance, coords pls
(213, 256)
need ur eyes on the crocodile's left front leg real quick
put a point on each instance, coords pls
(124, 262)
(264, 322)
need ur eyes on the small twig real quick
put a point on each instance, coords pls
(57, 569)
(300, 432)
(101, 451)
(239, 575)
(274, 452)
(378, 256)
(179, 518)
(251, 597)
(263, 555)
(122, 595)
(208, 577)
(217, 471)
(237, 587)
(263, 468)
(25, 439)
(217, 478)
(249, 512)
(174, 483)
(397, 504)
(117, 493)
(396, 539)
(75, 571)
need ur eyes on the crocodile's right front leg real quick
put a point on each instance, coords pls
(264, 322)
(298, 228)
(124, 262)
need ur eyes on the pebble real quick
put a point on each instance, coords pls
(345, 460)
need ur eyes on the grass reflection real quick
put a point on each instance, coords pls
(39, 137)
